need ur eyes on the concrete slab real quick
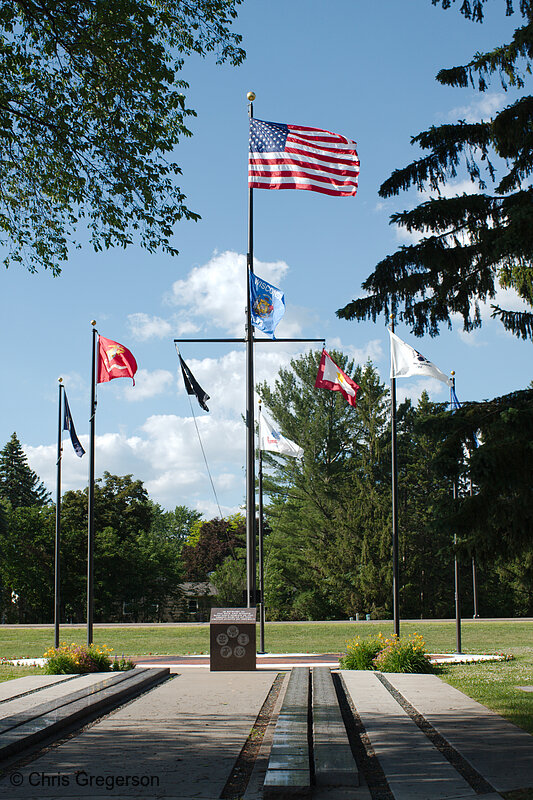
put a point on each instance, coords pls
(24, 730)
(333, 758)
(54, 691)
(30, 683)
(497, 749)
(288, 772)
(254, 790)
(414, 768)
(179, 740)
(280, 784)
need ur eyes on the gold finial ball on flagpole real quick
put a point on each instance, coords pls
(93, 322)
(60, 380)
(250, 96)
(452, 373)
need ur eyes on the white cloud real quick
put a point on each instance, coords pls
(470, 338)
(372, 350)
(215, 292)
(166, 455)
(73, 382)
(481, 108)
(149, 384)
(143, 326)
(224, 378)
(437, 390)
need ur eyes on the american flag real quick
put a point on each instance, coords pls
(296, 157)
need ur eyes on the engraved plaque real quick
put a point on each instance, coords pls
(232, 639)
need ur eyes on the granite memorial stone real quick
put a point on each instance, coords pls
(232, 639)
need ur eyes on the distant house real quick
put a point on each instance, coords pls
(196, 600)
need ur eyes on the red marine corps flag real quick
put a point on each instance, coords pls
(114, 361)
(331, 377)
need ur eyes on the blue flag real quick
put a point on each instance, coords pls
(268, 305)
(68, 425)
(455, 405)
(454, 401)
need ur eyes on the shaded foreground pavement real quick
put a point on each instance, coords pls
(421, 740)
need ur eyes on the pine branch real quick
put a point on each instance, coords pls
(448, 143)
(502, 60)
(520, 323)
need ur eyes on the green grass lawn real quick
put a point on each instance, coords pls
(492, 684)
(298, 637)
(7, 673)
(495, 685)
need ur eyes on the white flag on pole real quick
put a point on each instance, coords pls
(405, 361)
(271, 439)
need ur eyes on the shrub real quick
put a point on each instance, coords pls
(73, 659)
(387, 655)
(403, 655)
(360, 653)
(121, 665)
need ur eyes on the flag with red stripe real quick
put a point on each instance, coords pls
(296, 157)
(331, 377)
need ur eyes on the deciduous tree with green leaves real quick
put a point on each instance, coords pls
(471, 244)
(91, 110)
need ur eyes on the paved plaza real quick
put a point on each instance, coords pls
(182, 739)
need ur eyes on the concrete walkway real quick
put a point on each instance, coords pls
(433, 742)
(179, 740)
(182, 738)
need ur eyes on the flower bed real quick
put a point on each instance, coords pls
(76, 659)
(391, 654)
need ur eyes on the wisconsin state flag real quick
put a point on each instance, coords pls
(331, 377)
(114, 361)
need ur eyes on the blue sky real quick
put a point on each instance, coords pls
(365, 70)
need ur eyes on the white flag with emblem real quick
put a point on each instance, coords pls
(271, 439)
(405, 361)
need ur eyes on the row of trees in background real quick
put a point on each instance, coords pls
(329, 553)
(328, 514)
(138, 564)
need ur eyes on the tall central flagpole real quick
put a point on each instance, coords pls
(57, 577)
(90, 526)
(457, 575)
(395, 549)
(260, 535)
(250, 427)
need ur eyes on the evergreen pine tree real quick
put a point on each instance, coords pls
(19, 484)
(329, 551)
(471, 245)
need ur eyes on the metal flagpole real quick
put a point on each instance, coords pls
(260, 536)
(90, 526)
(250, 428)
(457, 576)
(474, 576)
(395, 559)
(57, 581)
(474, 588)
